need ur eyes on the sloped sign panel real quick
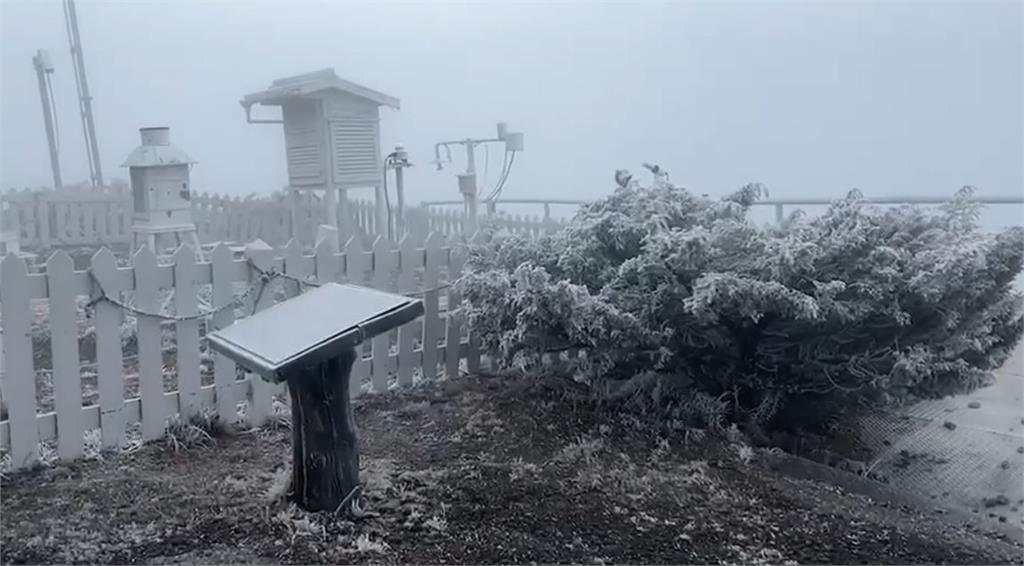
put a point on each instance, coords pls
(311, 328)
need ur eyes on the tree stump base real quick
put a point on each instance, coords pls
(325, 451)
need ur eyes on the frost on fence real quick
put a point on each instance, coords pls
(131, 334)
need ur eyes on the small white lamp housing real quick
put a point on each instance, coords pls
(161, 191)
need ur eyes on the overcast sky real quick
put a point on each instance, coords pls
(808, 98)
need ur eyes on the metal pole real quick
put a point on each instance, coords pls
(400, 191)
(85, 100)
(344, 218)
(293, 216)
(380, 211)
(471, 198)
(471, 215)
(40, 63)
(331, 204)
(470, 156)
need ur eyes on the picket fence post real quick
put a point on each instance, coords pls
(473, 354)
(109, 353)
(150, 345)
(19, 380)
(431, 319)
(67, 382)
(187, 332)
(409, 260)
(383, 263)
(261, 255)
(453, 328)
(356, 266)
(224, 369)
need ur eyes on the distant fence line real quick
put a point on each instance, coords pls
(96, 216)
(779, 204)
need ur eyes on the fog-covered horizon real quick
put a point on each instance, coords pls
(809, 99)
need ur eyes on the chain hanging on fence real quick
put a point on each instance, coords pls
(425, 291)
(265, 277)
(308, 283)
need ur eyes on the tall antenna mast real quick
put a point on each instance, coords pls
(44, 68)
(84, 99)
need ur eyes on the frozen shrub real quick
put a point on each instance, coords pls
(682, 294)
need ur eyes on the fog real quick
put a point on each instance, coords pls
(810, 99)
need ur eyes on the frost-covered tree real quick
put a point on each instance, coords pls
(677, 297)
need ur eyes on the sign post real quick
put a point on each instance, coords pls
(310, 343)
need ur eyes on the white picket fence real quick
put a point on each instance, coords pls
(96, 216)
(434, 345)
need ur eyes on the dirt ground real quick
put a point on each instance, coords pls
(475, 471)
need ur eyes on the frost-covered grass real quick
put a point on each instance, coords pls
(473, 471)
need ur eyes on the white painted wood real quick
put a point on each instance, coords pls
(19, 380)
(326, 262)
(74, 222)
(295, 266)
(262, 256)
(47, 423)
(432, 323)
(410, 259)
(151, 380)
(109, 365)
(218, 219)
(113, 412)
(356, 266)
(88, 220)
(453, 326)
(473, 355)
(187, 331)
(60, 232)
(67, 383)
(224, 370)
(42, 219)
(383, 264)
(102, 223)
(96, 216)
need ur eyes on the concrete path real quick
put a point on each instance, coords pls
(966, 451)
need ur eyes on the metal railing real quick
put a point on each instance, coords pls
(778, 203)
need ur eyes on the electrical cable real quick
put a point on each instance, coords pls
(494, 191)
(508, 172)
(503, 174)
(504, 178)
(504, 181)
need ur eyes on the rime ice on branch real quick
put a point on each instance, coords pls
(679, 298)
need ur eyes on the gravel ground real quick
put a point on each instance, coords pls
(470, 471)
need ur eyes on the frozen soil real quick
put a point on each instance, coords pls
(473, 471)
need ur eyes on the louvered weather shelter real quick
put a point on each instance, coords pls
(332, 136)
